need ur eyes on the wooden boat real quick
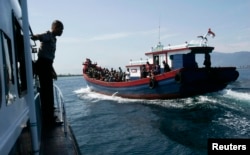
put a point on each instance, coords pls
(183, 80)
(21, 130)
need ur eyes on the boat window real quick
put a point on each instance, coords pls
(20, 58)
(8, 69)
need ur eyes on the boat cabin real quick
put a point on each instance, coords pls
(177, 57)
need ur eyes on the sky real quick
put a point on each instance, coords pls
(113, 32)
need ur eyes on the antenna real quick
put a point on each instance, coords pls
(159, 29)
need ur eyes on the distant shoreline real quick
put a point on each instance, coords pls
(243, 68)
(68, 75)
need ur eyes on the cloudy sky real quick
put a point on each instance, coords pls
(111, 32)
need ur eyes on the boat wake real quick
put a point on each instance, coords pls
(228, 98)
(242, 96)
(87, 95)
(228, 108)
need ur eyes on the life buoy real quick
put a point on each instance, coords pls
(152, 83)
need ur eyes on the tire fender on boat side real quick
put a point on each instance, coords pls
(178, 77)
(152, 83)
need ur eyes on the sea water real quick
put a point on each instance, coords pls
(110, 125)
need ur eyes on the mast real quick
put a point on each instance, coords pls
(204, 37)
(159, 30)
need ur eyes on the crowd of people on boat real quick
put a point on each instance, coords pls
(104, 74)
(150, 70)
(113, 75)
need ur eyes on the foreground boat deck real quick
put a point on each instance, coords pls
(54, 142)
(57, 142)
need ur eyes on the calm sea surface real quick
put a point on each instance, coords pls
(105, 125)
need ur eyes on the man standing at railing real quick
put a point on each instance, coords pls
(46, 73)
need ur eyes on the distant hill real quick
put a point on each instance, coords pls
(237, 59)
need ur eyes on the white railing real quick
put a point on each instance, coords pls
(192, 43)
(59, 111)
(38, 116)
(137, 62)
(60, 107)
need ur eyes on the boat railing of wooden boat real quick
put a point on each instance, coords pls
(137, 62)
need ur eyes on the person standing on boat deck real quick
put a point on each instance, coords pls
(46, 73)
(144, 72)
(207, 61)
(148, 68)
(120, 74)
(127, 77)
(157, 69)
(166, 66)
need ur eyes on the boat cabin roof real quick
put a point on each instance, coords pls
(180, 49)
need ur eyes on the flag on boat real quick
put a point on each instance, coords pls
(211, 33)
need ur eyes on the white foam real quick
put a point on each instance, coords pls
(86, 93)
(203, 99)
(236, 122)
(237, 95)
(82, 90)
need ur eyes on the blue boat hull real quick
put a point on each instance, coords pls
(175, 84)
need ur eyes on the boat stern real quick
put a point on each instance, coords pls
(205, 80)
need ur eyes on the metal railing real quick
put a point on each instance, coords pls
(59, 105)
(60, 111)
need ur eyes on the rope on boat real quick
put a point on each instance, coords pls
(115, 93)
